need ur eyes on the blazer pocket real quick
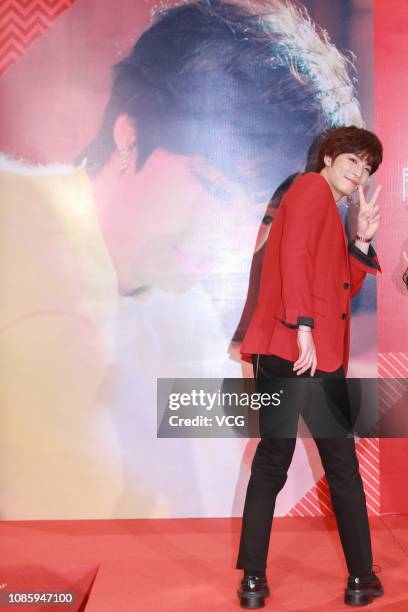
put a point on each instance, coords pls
(320, 305)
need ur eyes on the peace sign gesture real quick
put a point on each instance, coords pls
(368, 218)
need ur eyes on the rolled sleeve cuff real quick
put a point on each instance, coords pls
(366, 262)
(309, 321)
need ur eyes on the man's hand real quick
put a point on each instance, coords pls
(368, 218)
(307, 352)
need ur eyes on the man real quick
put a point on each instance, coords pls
(300, 327)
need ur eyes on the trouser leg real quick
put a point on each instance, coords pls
(269, 473)
(268, 476)
(340, 464)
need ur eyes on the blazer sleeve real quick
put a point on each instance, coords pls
(360, 265)
(304, 207)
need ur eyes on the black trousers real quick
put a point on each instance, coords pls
(269, 470)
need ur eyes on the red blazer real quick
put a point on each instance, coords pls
(310, 272)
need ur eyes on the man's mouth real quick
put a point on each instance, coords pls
(355, 183)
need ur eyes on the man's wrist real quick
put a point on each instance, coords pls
(362, 245)
(361, 237)
(305, 328)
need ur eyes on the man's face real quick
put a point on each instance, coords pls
(179, 217)
(347, 172)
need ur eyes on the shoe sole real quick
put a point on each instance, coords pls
(362, 597)
(252, 601)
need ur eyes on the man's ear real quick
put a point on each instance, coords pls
(328, 160)
(124, 133)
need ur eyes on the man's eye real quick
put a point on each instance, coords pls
(353, 159)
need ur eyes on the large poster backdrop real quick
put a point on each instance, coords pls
(131, 202)
(391, 101)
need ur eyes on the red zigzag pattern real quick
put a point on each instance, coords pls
(317, 501)
(22, 22)
(392, 367)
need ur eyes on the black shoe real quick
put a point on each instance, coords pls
(360, 591)
(253, 591)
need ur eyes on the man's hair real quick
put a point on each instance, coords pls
(351, 140)
(247, 84)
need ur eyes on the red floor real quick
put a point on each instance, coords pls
(185, 565)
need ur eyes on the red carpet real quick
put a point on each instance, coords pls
(184, 565)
